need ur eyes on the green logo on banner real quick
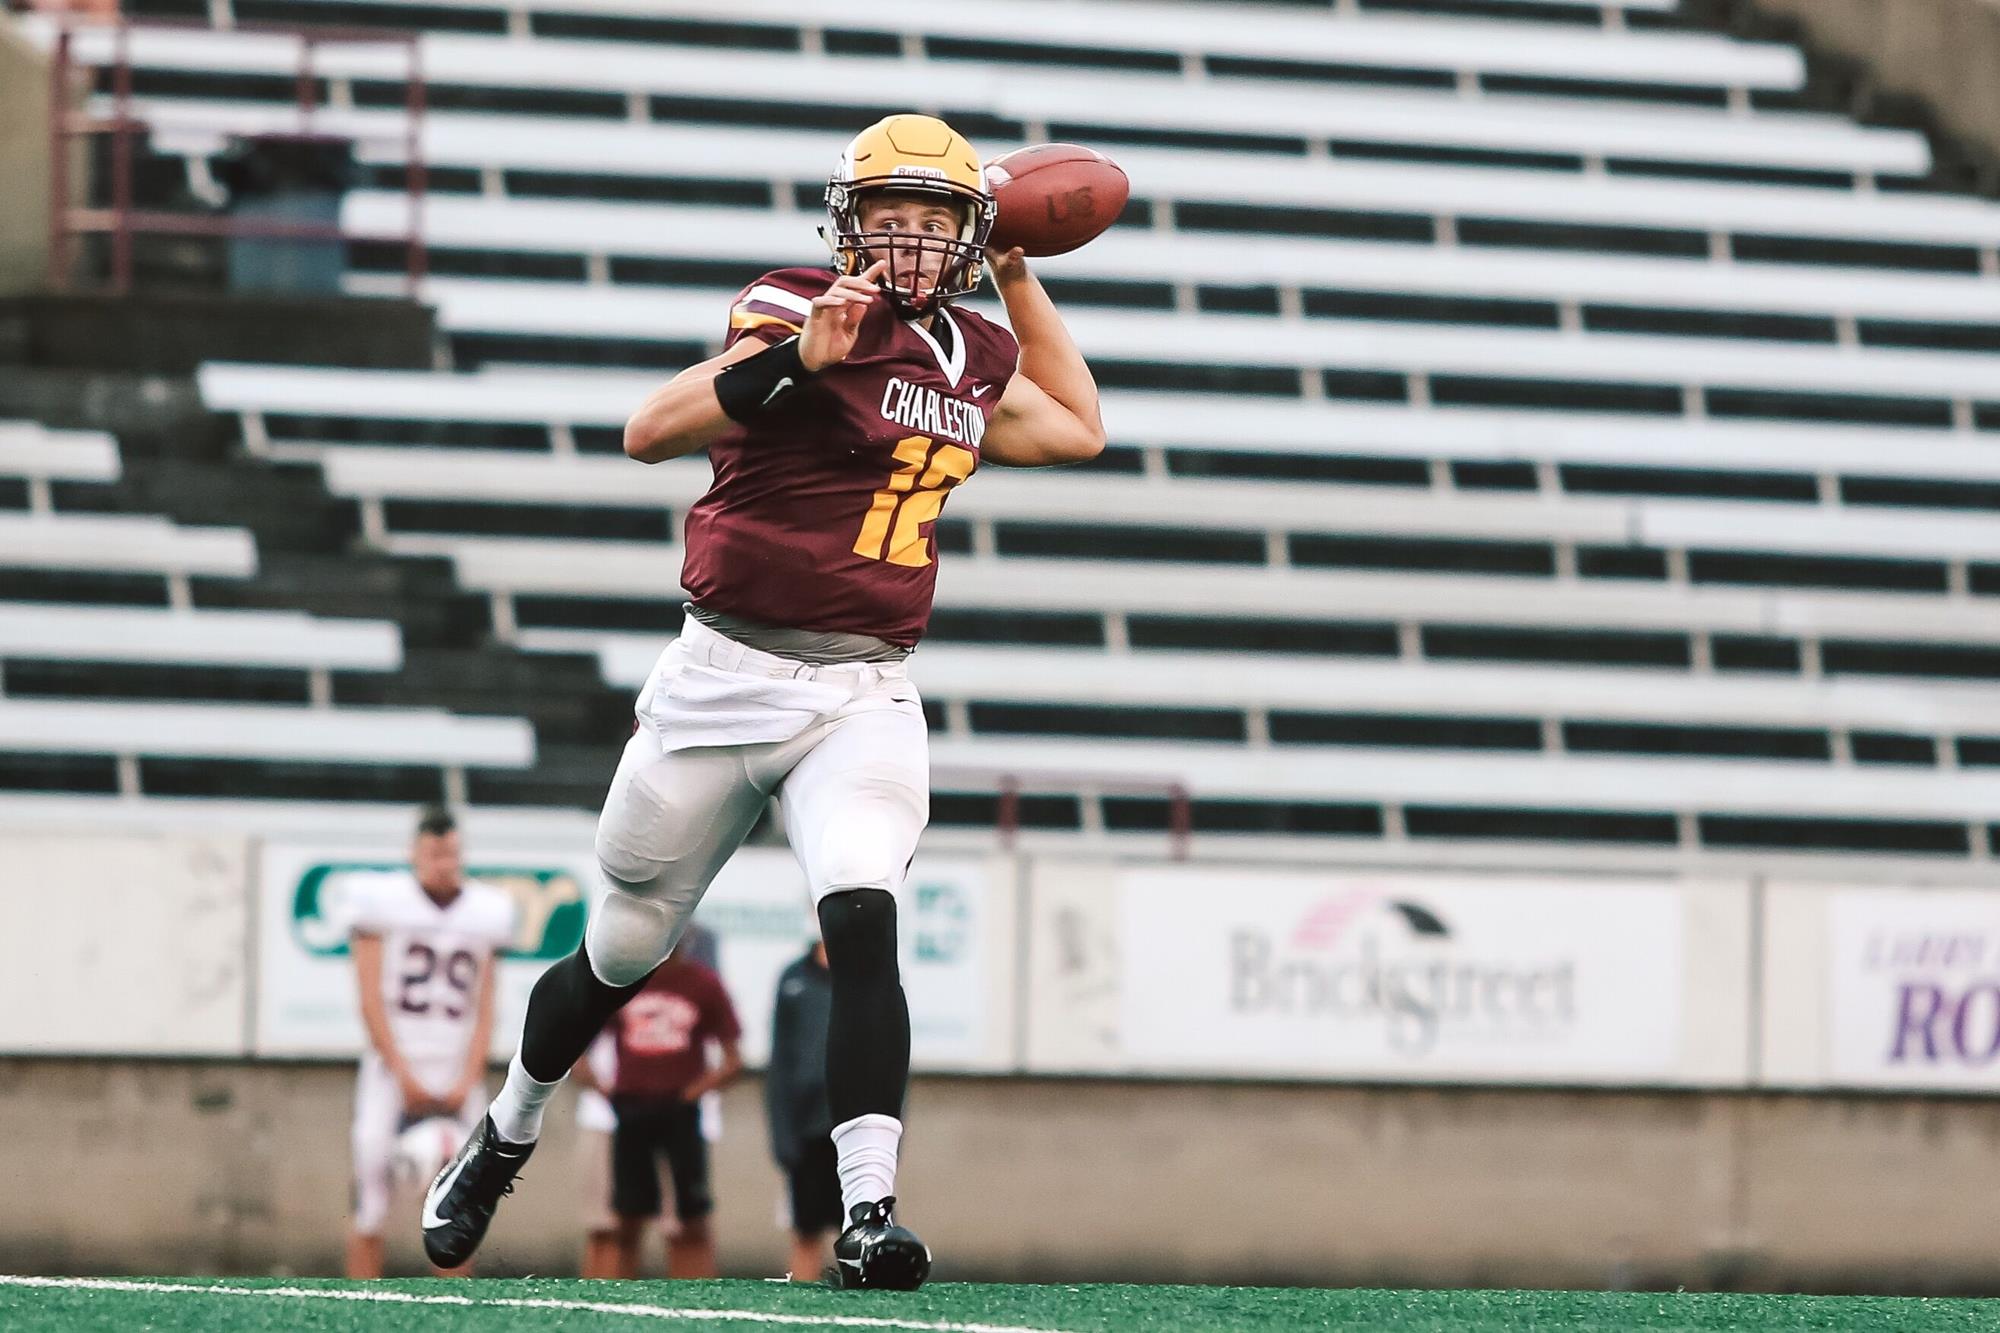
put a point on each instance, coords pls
(548, 903)
(944, 922)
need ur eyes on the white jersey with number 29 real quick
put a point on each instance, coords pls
(433, 960)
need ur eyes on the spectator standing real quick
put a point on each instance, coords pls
(796, 1107)
(662, 1036)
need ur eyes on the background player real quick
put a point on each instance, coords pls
(795, 1106)
(423, 943)
(842, 412)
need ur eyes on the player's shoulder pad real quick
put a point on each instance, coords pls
(992, 353)
(979, 328)
(782, 296)
(368, 898)
(497, 908)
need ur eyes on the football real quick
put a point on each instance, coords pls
(1054, 197)
(423, 1148)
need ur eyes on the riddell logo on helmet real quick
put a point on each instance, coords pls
(932, 173)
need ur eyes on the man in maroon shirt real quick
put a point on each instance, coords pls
(662, 1035)
(846, 406)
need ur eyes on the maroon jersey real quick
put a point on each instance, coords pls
(662, 1032)
(820, 516)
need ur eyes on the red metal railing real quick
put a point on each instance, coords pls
(121, 221)
(1011, 784)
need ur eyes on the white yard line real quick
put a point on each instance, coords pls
(510, 1303)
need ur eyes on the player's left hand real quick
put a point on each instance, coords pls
(1007, 265)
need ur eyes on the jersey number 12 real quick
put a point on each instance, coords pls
(893, 530)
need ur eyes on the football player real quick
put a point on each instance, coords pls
(423, 942)
(845, 407)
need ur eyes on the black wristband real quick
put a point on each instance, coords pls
(752, 387)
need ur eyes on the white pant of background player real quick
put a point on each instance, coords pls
(724, 727)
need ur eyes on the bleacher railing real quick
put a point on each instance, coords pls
(1011, 785)
(122, 221)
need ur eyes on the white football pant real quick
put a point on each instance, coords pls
(722, 728)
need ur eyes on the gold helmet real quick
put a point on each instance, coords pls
(920, 155)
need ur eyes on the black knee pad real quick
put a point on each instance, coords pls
(859, 927)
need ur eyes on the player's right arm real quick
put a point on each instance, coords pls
(686, 413)
(366, 947)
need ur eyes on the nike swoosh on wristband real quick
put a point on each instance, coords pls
(777, 389)
(440, 1188)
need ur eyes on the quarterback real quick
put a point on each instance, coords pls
(847, 404)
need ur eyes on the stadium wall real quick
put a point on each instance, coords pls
(1941, 51)
(229, 1167)
(1075, 1123)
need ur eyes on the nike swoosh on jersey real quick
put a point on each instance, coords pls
(981, 389)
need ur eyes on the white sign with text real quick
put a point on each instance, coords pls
(1913, 988)
(954, 933)
(1387, 975)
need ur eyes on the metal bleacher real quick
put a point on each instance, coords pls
(1558, 435)
(113, 681)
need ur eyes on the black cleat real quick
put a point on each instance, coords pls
(875, 1252)
(459, 1205)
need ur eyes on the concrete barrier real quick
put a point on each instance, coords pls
(227, 1167)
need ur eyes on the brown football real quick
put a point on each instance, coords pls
(1054, 197)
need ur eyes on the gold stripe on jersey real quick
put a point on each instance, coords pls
(744, 319)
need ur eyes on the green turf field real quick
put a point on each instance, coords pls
(225, 1305)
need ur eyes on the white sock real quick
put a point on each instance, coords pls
(867, 1148)
(517, 1111)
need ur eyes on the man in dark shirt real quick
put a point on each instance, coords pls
(603, 1242)
(796, 1105)
(663, 1071)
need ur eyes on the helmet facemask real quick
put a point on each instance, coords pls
(962, 258)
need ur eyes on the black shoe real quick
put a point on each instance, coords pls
(875, 1252)
(459, 1206)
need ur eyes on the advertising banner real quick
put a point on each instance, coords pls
(955, 933)
(1264, 972)
(123, 944)
(1912, 988)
